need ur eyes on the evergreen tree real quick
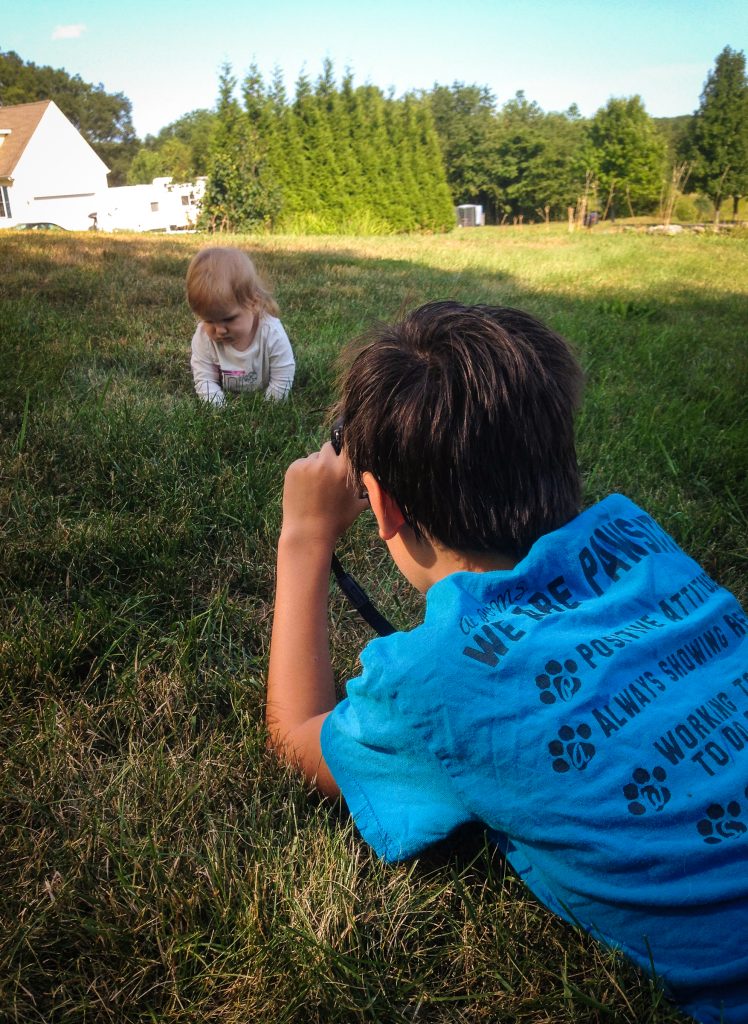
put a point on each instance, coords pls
(324, 88)
(237, 197)
(717, 139)
(373, 151)
(322, 198)
(259, 130)
(334, 159)
(431, 175)
(365, 108)
(334, 142)
(285, 157)
(277, 92)
(401, 188)
(300, 197)
(413, 159)
(351, 174)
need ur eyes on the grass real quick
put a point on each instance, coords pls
(158, 864)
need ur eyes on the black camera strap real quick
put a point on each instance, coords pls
(358, 599)
(353, 592)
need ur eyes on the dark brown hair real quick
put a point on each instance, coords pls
(465, 416)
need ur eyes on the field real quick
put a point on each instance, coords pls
(157, 863)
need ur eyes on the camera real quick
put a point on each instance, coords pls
(353, 592)
(336, 435)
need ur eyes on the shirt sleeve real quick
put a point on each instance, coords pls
(396, 789)
(206, 372)
(282, 363)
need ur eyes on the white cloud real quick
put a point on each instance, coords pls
(68, 31)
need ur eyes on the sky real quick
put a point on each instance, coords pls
(166, 55)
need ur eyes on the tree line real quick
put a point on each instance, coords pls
(302, 162)
(522, 163)
(337, 156)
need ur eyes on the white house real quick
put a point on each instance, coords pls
(48, 172)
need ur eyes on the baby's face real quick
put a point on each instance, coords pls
(236, 325)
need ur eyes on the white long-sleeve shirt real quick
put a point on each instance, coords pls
(267, 365)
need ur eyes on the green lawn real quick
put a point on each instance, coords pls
(158, 865)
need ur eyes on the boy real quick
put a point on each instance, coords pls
(239, 343)
(578, 685)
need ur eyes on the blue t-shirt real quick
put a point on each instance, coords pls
(590, 707)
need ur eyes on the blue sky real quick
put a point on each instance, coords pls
(165, 55)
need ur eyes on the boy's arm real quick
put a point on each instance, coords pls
(205, 371)
(318, 506)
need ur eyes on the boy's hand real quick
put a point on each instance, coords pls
(319, 502)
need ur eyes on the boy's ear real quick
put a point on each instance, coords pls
(386, 510)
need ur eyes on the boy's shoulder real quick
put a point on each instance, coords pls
(481, 622)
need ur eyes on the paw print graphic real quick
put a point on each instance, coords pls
(572, 749)
(646, 791)
(558, 681)
(721, 823)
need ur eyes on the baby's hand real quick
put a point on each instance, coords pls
(319, 502)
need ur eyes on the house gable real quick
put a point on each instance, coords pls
(17, 125)
(57, 160)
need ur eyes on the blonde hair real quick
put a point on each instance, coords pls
(219, 277)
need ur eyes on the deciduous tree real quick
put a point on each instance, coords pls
(629, 155)
(238, 196)
(195, 130)
(468, 132)
(172, 159)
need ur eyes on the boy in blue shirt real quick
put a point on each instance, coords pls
(578, 685)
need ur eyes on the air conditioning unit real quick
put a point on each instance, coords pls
(470, 215)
